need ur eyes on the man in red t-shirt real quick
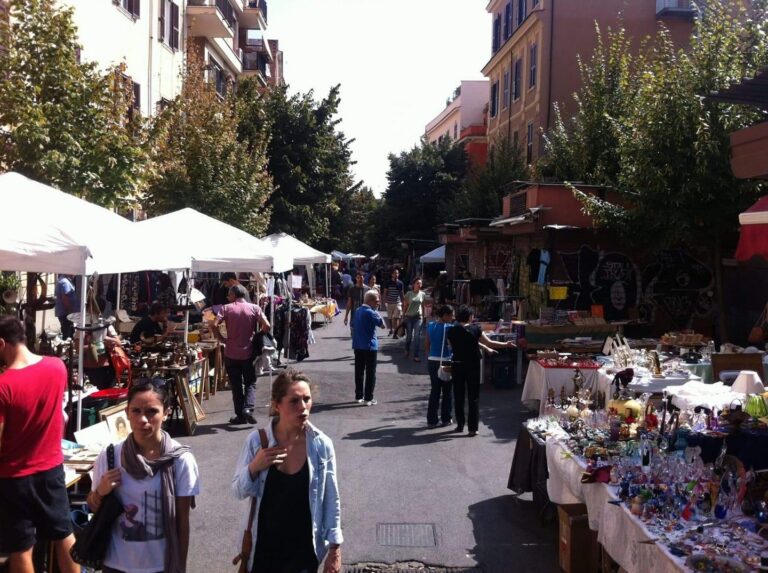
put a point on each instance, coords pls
(33, 495)
(242, 319)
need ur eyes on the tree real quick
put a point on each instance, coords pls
(353, 229)
(65, 123)
(422, 184)
(482, 191)
(202, 160)
(309, 160)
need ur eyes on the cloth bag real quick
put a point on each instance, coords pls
(91, 544)
(247, 543)
(444, 371)
(757, 334)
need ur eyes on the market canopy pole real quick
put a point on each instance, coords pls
(81, 338)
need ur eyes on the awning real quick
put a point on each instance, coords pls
(753, 236)
(435, 256)
(757, 214)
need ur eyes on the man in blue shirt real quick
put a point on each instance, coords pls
(67, 302)
(366, 346)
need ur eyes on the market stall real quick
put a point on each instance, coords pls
(303, 255)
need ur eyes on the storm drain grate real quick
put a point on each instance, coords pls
(397, 569)
(406, 534)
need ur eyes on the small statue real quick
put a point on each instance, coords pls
(578, 380)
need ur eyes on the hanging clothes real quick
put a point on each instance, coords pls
(544, 259)
(299, 342)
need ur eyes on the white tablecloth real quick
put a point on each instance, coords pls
(642, 384)
(696, 393)
(618, 531)
(539, 379)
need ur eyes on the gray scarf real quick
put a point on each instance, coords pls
(138, 467)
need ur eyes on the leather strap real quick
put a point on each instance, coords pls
(264, 446)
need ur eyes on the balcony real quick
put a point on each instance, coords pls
(254, 14)
(255, 41)
(675, 8)
(211, 18)
(256, 64)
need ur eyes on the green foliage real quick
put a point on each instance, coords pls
(65, 123)
(199, 161)
(483, 189)
(654, 137)
(423, 183)
(353, 229)
(309, 160)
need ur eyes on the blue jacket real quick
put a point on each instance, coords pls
(364, 323)
(324, 504)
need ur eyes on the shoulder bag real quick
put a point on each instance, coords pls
(247, 543)
(444, 371)
(91, 544)
(757, 333)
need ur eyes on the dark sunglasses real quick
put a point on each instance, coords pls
(156, 382)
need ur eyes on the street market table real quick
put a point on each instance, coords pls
(540, 379)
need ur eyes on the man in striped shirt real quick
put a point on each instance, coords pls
(394, 296)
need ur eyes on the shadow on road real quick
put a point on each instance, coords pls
(496, 548)
(392, 437)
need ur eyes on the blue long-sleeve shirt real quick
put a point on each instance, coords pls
(364, 323)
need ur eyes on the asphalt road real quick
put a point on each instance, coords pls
(392, 470)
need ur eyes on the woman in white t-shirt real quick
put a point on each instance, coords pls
(155, 479)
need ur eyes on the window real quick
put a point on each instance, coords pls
(496, 34)
(515, 140)
(532, 70)
(169, 24)
(520, 11)
(219, 78)
(455, 130)
(516, 80)
(133, 7)
(494, 99)
(529, 144)
(136, 96)
(508, 20)
(505, 97)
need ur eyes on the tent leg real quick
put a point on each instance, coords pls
(81, 338)
(189, 299)
(119, 279)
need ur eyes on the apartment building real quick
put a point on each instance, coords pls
(535, 48)
(149, 38)
(275, 77)
(464, 120)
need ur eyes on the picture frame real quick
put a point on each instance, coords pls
(118, 425)
(185, 399)
(105, 413)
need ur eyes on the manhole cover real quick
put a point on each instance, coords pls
(406, 534)
(406, 569)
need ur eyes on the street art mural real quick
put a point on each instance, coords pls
(674, 283)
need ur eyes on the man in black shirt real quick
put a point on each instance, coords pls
(220, 293)
(152, 325)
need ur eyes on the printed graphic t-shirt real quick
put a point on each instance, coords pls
(137, 543)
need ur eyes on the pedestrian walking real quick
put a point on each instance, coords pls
(155, 479)
(67, 302)
(394, 297)
(438, 352)
(466, 341)
(373, 285)
(414, 313)
(242, 320)
(33, 495)
(355, 296)
(365, 344)
(288, 472)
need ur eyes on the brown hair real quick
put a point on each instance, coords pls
(280, 386)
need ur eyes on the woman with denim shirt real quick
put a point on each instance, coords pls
(292, 533)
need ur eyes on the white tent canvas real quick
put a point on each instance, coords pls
(214, 246)
(301, 253)
(436, 256)
(53, 231)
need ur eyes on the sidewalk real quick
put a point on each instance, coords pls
(401, 484)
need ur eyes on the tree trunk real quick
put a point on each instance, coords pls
(720, 298)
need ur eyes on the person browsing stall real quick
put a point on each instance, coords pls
(438, 350)
(33, 495)
(292, 486)
(242, 320)
(152, 325)
(155, 479)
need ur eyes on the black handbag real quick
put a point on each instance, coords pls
(91, 543)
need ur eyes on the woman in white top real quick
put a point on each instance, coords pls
(155, 479)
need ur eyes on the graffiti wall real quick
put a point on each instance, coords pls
(673, 287)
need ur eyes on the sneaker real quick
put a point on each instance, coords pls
(459, 429)
(472, 434)
(371, 402)
(237, 420)
(395, 336)
(416, 359)
(249, 418)
(390, 332)
(432, 426)
(360, 401)
(446, 424)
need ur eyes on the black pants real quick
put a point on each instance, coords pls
(365, 363)
(67, 327)
(439, 387)
(466, 381)
(242, 380)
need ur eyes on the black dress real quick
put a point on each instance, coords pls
(284, 535)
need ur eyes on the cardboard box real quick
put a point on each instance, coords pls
(577, 543)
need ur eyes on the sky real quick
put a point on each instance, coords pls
(397, 62)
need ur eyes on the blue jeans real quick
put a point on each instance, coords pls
(413, 333)
(439, 387)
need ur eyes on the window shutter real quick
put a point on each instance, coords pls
(161, 35)
(136, 8)
(175, 26)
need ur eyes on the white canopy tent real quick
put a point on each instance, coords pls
(65, 234)
(436, 256)
(214, 246)
(302, 254)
